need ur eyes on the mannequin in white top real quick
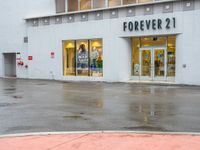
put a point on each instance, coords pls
(94, 56)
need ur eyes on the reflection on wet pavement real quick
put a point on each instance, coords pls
(43, 106)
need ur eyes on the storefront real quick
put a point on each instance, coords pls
(114, 41)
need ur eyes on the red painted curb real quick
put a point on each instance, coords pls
(103, 141)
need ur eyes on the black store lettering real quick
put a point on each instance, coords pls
(168, 23)
(159, 24)
(154, 24)
(174, 22)
(142, 25)
(136, 26)
(125, 26)
(130, 26)
(148, 24)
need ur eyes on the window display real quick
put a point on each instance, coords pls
(69, 58)
(96, 58)
(83, 58)
(171, 56)
(135, 56)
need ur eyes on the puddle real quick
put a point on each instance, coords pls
(5, 104)
(17, 97)
(10, 89)
(41, 84)
(145, 128)
(76, 117)
(19, 128)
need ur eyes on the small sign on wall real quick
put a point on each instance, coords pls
(18, 56)
(52, 55)
(30, 57)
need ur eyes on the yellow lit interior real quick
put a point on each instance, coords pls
(71, 51)
(162, 41)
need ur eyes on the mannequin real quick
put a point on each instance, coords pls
(94, 56)
(82, 58)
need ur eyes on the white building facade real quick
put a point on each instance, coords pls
(101, 40)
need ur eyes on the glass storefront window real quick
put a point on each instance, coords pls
(144, 1)
(98, 3)
(126, 2)
(171, 56)
(83, 58)
(113, 3)
(72, 5)
(153, 41)
(85, 4)
(135, 56)
(69, 58)
(96, 58)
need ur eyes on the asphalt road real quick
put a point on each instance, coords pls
(45, 106)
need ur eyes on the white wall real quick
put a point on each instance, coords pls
(13, 26)
(117, 51)
(188, 50)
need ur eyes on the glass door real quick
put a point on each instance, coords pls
(146, 64)
(160, 67)
(153, 63)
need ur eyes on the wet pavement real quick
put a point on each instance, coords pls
(46, 106)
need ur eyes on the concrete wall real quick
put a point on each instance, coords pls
(117, 50)
(188, 49)
(13, 25)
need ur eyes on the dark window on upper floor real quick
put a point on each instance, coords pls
(126, 2)
(60, 6)
(73, 5)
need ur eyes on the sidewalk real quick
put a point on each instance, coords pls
(102, 141)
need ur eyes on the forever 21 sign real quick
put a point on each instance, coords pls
(153, 24)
